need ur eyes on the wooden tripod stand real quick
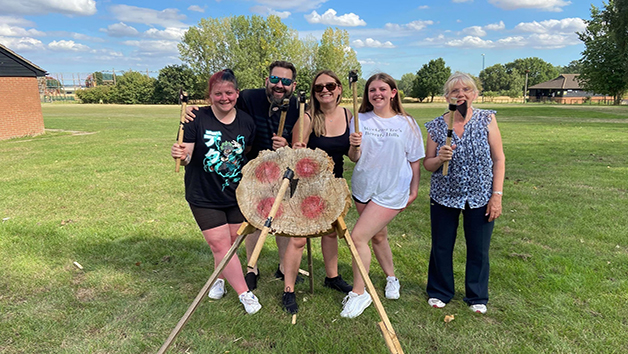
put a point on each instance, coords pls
(341, 230)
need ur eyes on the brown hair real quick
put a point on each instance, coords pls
(395, 103)
(318, 117)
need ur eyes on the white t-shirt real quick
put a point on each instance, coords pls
(383, 173)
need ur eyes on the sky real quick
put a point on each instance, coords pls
(396, 36)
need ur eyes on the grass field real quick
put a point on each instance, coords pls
(99, 188)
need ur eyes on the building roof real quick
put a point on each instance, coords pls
(562, 82)
(16, 65)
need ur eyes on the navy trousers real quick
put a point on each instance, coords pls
(477, 232)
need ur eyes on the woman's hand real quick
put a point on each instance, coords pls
(299, 145)
(445, 153)
(494, 207)
(189, 113)
(355, 139)
(279, 141)
(178, 151)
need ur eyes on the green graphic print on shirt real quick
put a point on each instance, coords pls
(224, 158)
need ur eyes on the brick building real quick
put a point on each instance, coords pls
(20, 106)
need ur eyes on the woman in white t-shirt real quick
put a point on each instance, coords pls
(385, 180)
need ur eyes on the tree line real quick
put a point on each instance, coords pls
(249, 44)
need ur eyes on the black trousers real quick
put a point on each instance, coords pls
(477, 232)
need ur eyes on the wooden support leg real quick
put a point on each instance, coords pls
(204, 291)
(309, 265)
(387, 330)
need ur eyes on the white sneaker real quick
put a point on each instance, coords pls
(436, 303)
(355, 304)
(250, 302)
(392, 288)
(217, 290)
(479, 308)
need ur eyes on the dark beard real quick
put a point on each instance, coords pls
(273, 100)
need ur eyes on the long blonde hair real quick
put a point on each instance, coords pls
(318, 117)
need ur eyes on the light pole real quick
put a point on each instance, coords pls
(481, 71)
(525, 90)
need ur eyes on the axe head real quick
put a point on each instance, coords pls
(301, 96)
(285, 104)
(353, 76)
(183, 96)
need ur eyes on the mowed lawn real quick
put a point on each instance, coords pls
(99, 188)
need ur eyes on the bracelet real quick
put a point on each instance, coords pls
(498, 193)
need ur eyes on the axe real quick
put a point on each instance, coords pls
(183, 101)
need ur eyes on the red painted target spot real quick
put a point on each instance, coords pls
(307, 167)
(312, 206)
(267, 172)
(265, 205)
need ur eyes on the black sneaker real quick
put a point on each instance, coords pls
(289, 303)
(279, 275)
(251, 280)
(338, 283)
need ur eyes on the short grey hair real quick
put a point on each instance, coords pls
(457, 77)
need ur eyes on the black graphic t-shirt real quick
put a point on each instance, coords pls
(215, 170)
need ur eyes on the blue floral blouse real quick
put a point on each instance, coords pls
(470, 176)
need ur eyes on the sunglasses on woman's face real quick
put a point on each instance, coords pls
(329, 86)
(275, 80)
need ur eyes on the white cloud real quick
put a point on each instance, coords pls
(196, 8)
(372, 43)
(330, 18)
(120, 29)
(516, 41)
(42, 7)
(267, 11)
(566, 25)
(133, 14)
(16, 21)
(371, 62)
(495, 26)
(543, 5)
(169, 33)
(470, 42)
(22, 44)
(551, 41)
(460, 1)
(412, 26)
(153, 48)
(67, 46)
(423, 7)
(475, 31)
(14, 31)
(296, 5)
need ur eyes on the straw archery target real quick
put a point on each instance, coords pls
(319, 199)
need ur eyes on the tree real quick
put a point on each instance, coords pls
(540, 71)
(406, 83)
(133, 88)
(572, 68)
(335, 54)
(604, 69)
(430, 79)
(496, 78)
(173, 78)
(247, 45)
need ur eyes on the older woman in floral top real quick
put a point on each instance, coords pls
(472, 186)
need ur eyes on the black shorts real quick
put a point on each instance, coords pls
(359, 201)
(208, 218)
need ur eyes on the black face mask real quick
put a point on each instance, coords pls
(462, 109)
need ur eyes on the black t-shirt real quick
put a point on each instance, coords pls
(215, 169)
(255, 102)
